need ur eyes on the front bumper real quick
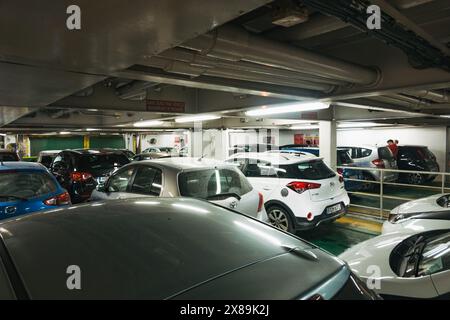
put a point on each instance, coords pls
(304, 224)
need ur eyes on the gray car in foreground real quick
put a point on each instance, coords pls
(164, 248)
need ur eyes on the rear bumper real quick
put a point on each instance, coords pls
(304, 224)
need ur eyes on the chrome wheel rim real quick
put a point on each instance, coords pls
(415, 178)
(279, 219)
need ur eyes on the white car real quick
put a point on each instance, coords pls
(300, 191)
(205, 179)
(404, 265)
(426, 214)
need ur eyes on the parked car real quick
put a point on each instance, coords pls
(169, 151)
(426, 214)
(258, 147)
(79, 171)
(6, 155)
(404, 265)
(166, 248)
(205, 179)
(28, 187)
(343, 159)
(46, 157)
(416, 158)
(373, 157)
(299, 192)
(150, 156)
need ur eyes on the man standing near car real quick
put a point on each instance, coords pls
(393, 147)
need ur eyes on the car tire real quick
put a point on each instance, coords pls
(371, 187)
(415, 178)
(280, 218)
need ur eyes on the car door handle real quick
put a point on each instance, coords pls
(267, 188)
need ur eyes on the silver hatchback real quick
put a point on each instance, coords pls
(206, 179)
(374, 157)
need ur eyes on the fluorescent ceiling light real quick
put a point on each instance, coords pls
(92, 110)
(147, 123)
(65, 132)
(304, 127)
(288, 108)
(360, 124)
(445, 116)
(92, 129)
(204, 117)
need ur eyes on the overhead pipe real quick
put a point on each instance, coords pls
(430, 95)
(179, 67)
(235, 44)
(196, 59)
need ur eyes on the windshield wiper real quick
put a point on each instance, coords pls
(222, 196)
(13, 196)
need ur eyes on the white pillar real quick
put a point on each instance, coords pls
(197, 140)
(327, 142)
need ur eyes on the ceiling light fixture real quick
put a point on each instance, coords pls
(305, 127)
(147, 123)
(198, 118)
(288, 108)
(65, 132)
(360, 125)
(92, 129)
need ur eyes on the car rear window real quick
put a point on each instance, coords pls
(8, 157)
(96, 163)
(206, 183)
(422, 153)
(343, 157)
(385, 153)
(25, 184)
(311, 170)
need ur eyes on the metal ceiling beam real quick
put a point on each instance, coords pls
(10, 114)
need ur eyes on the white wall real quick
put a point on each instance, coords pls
(434, 138)
(163, 139)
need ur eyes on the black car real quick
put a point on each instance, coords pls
(6, 155)
(139, 249)
(417, 158)
(79, 171)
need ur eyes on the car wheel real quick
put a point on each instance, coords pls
(415, 178)
(370, 186)
(280, 218)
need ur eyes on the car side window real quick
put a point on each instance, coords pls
(258, 168)
(119, 182)
(365, 152)
(148, 181)
(239, 163)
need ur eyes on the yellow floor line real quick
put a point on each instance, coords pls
(372, 226)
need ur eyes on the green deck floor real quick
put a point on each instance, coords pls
(334, 237)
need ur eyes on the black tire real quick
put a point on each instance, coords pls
(415, 178)
(371, 187)
(280, 218)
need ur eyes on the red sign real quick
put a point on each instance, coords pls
(165, 106)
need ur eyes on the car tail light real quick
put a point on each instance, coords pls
(378, 163)
(300, 186)
(309, 216)
(340, 171)
(341, 179)
(59, 200)
(261, 202)
(80, 176)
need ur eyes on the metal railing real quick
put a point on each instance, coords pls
(382, 183)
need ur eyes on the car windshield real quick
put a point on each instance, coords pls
(435, 256)
(8, 157)
(207, 183)
(25, 185)
(311, 170)
(167, 149)
(422, 254)
(343, 157)
(98, 163)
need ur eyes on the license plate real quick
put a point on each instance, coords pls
(334, 209)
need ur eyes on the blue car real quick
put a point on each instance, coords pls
(343, 159)
(28, 187)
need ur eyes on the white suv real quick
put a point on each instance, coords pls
(300, 192)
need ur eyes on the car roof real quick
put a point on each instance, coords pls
(50, 151)
(187, 163)
(275, 158)
(21, 165)
(95, 151)
(139, 248)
